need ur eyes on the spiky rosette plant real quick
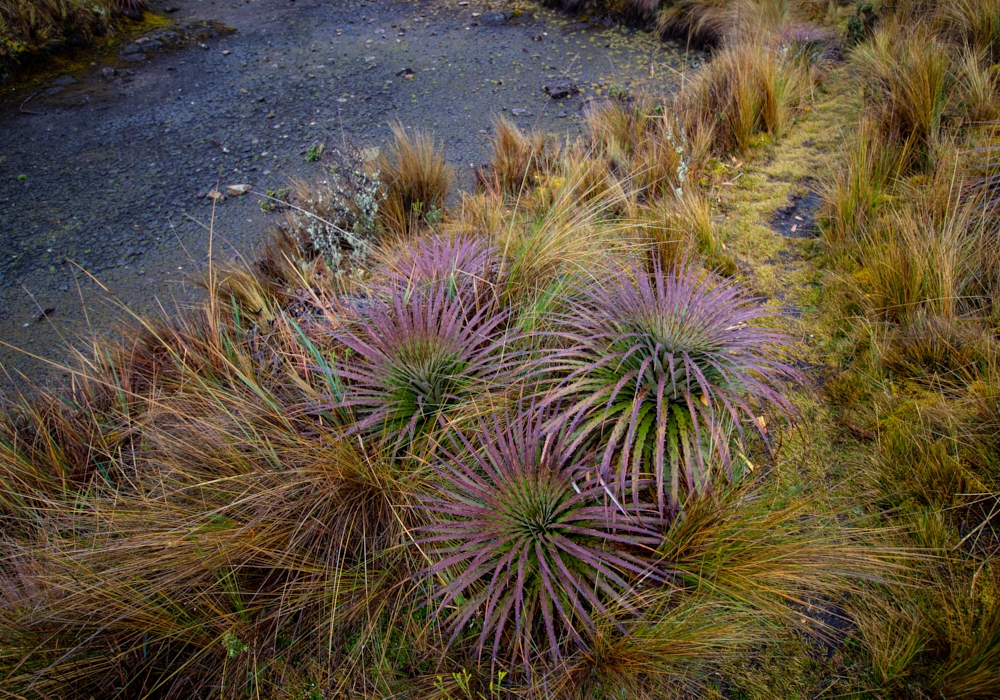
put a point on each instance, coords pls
(131, 8)
(527, 553)
(462, 263)
(417, 357)
(661, 368)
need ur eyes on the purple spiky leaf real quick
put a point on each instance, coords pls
(463, 264)
(416, 356)
(659, 366)
(523, 542)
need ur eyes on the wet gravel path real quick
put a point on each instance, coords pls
(101, 171)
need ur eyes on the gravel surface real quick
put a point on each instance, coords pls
(104, 168)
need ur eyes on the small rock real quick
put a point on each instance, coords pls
(134, 57)
(108, 73)
(53, 91)
(559, 89)
(561, 115)
(44, 314)
(214, 194)
(65, 80)
(132, 48)
(493, 18)
(406, 73)
(237, 190)
(518, 111)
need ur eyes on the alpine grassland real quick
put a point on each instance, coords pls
(591, 430)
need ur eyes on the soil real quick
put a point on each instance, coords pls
(798, 219)
(105, 157)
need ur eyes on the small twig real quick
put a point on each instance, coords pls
(28, 111)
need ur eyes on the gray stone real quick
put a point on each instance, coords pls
(559, 89)
(493, 18)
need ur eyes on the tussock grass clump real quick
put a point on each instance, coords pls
(859, 190)
(518, 159)
(908, 84)
(746, 90)
(555, 241)
(915, 266)
(975, 23)
(417, 180)
(714, 22)
(978, 86)
(645, 147)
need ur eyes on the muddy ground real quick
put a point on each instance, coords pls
(106, 155)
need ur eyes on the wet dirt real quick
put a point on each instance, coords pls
(798, 218)
(104, 168)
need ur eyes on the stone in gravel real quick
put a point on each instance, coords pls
(558, 89)
(237, 190)
(492, 18)
(561, 115)
(53, 91)
(108, 73)
(134, 57)
(214, 194)
(65, 80)
(518, 111)
(131, 48)
(406, 73)
(44, 314)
